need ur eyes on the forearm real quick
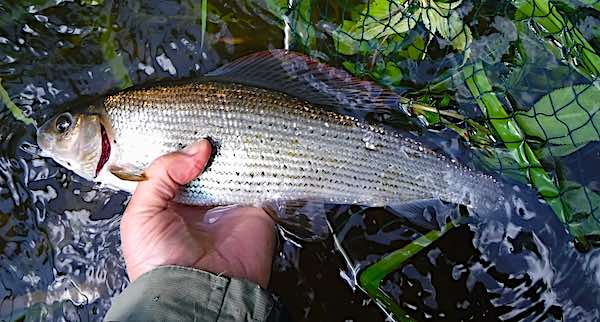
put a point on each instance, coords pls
(173, 293)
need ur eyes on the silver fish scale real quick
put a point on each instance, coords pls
(274, 147)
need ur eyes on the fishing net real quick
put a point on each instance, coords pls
(515, 80)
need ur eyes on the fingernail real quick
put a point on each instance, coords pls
(196, 147)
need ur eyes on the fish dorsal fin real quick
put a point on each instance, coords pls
(302, 77)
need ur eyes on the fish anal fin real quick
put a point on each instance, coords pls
(305, 220)
(427, 213)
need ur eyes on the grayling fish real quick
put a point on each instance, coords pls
(277, 135)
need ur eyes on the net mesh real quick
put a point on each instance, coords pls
(515, 79)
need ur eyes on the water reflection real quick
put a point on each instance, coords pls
(59, 242)
(57, 260)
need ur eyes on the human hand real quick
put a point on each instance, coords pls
(156, 231)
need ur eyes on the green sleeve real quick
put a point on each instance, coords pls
(173, 293)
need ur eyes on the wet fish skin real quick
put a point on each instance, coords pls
(279, 138)
(272, 146)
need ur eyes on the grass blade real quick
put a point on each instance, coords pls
(16, 112)
(371, 278)
(203, 15)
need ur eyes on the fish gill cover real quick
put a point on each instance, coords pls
(509, 87)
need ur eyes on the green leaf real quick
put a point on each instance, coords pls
(449, 5)
(432, 19)
(391, 45)
(414, 50)
(344, 42)
(381, 9)
(448, 24)
(445, 101)
(91, 2)
(431, 117)
(591, 3)
(566, 116)
(574, 5)
(556, 151)
(392, 75)
(584, 206)
(530, 8)
(459, 33)
(298, 17)
(277, 7)
(303, 26)
(379, 21)
(350, 67)
(579, 199)
(399, 23)
(479, 134)
(358, 69)
(586, 227)
(382, 18)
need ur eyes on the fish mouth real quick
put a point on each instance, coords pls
(105, 154)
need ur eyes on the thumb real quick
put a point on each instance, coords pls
(166, 175)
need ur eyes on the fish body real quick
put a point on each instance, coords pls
(269, 146)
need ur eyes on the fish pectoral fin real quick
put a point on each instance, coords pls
(128, 172)
(305, 220)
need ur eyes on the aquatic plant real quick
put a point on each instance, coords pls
(382, 19)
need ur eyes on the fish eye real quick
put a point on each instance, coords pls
(64, 122)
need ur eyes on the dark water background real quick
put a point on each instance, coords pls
(59, 240)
